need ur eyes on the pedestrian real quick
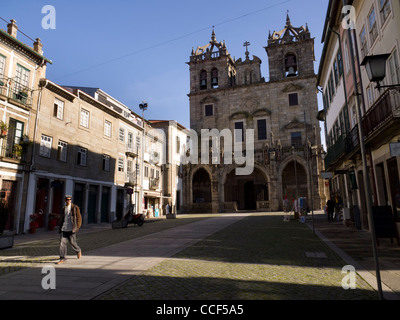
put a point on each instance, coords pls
(286, 209)
(71, 221)
(167, 209)
(330, 204)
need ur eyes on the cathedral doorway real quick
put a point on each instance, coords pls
(246, 192)
(294, 181)
(201, 187)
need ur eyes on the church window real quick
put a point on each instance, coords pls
(262, 129)
(203, 80)
(296, 139)
(290, 65)
(293, 99)
(209, 110)
(240, 136)
(214, 78)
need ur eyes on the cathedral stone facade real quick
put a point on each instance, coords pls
(280, 115)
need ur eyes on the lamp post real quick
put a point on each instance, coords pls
(143, 107)
(367, 187)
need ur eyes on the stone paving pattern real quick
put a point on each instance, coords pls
(257, 258)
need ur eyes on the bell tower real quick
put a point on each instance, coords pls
(290, 52)
(211, 67)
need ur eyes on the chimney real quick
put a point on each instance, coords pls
(38, 46)
(12, 28)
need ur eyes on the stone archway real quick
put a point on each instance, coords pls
(201, 191)
(246, 192)
(294, 181)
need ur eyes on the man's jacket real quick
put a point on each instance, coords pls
(76, 218)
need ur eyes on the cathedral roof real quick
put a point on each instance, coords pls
(289, 34)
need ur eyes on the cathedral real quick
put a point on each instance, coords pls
(272, 122)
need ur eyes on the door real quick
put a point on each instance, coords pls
(249, 196)
(92, 203)
(105, 204)
(8, 194)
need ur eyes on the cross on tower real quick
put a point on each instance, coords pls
(246, 44)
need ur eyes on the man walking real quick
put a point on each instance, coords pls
(71, 221)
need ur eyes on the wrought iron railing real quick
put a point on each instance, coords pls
(15, 91)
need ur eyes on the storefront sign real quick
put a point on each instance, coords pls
(326, 175)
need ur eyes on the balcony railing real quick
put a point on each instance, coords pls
(154, 183)
(131, 150)
(11, 152)
(15, 91)
(130, 179)
(336, 151)
(382, 111)
(375, 120)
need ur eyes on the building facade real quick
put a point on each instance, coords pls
(267, 126)
(346, 87)
(21, 68)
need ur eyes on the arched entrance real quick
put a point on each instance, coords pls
(246, 192)
(201, 191)
(294, 181)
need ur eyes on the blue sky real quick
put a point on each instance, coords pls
(137, 50)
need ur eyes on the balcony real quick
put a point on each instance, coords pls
(382, 115)
(154, 183)
(381, 121)
(336, 151)
(12, 153)
(15, 92)
(130, 179)
(131, 150)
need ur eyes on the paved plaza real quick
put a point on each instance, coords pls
(239, 256)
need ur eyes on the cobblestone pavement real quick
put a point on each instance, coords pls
(258, 258)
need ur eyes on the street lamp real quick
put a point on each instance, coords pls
(375, 66)
(143, 107)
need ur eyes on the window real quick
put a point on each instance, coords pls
(239, 126)
(385, 10)
(290, 65)
(370, 96)
(346, 56)
(331, 87)
(138, 142)
(373, 29)
(22, 76)
(45, 146)
(62, 151)
(82, 156)
(336, 72)
(203, 80)
(120, 165)
(293, 99)
(262, 129)
(394, 68)
(209, 110)
(129, 166)
(130, 141)
(106, 162)
(107, 128)
(214, 78)
(121, 134)
(146, 172)
(340, 63)
(296, 139)
(84, 122)
(363, 40)
(2, 65)
(178, 144)
(58, 109)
